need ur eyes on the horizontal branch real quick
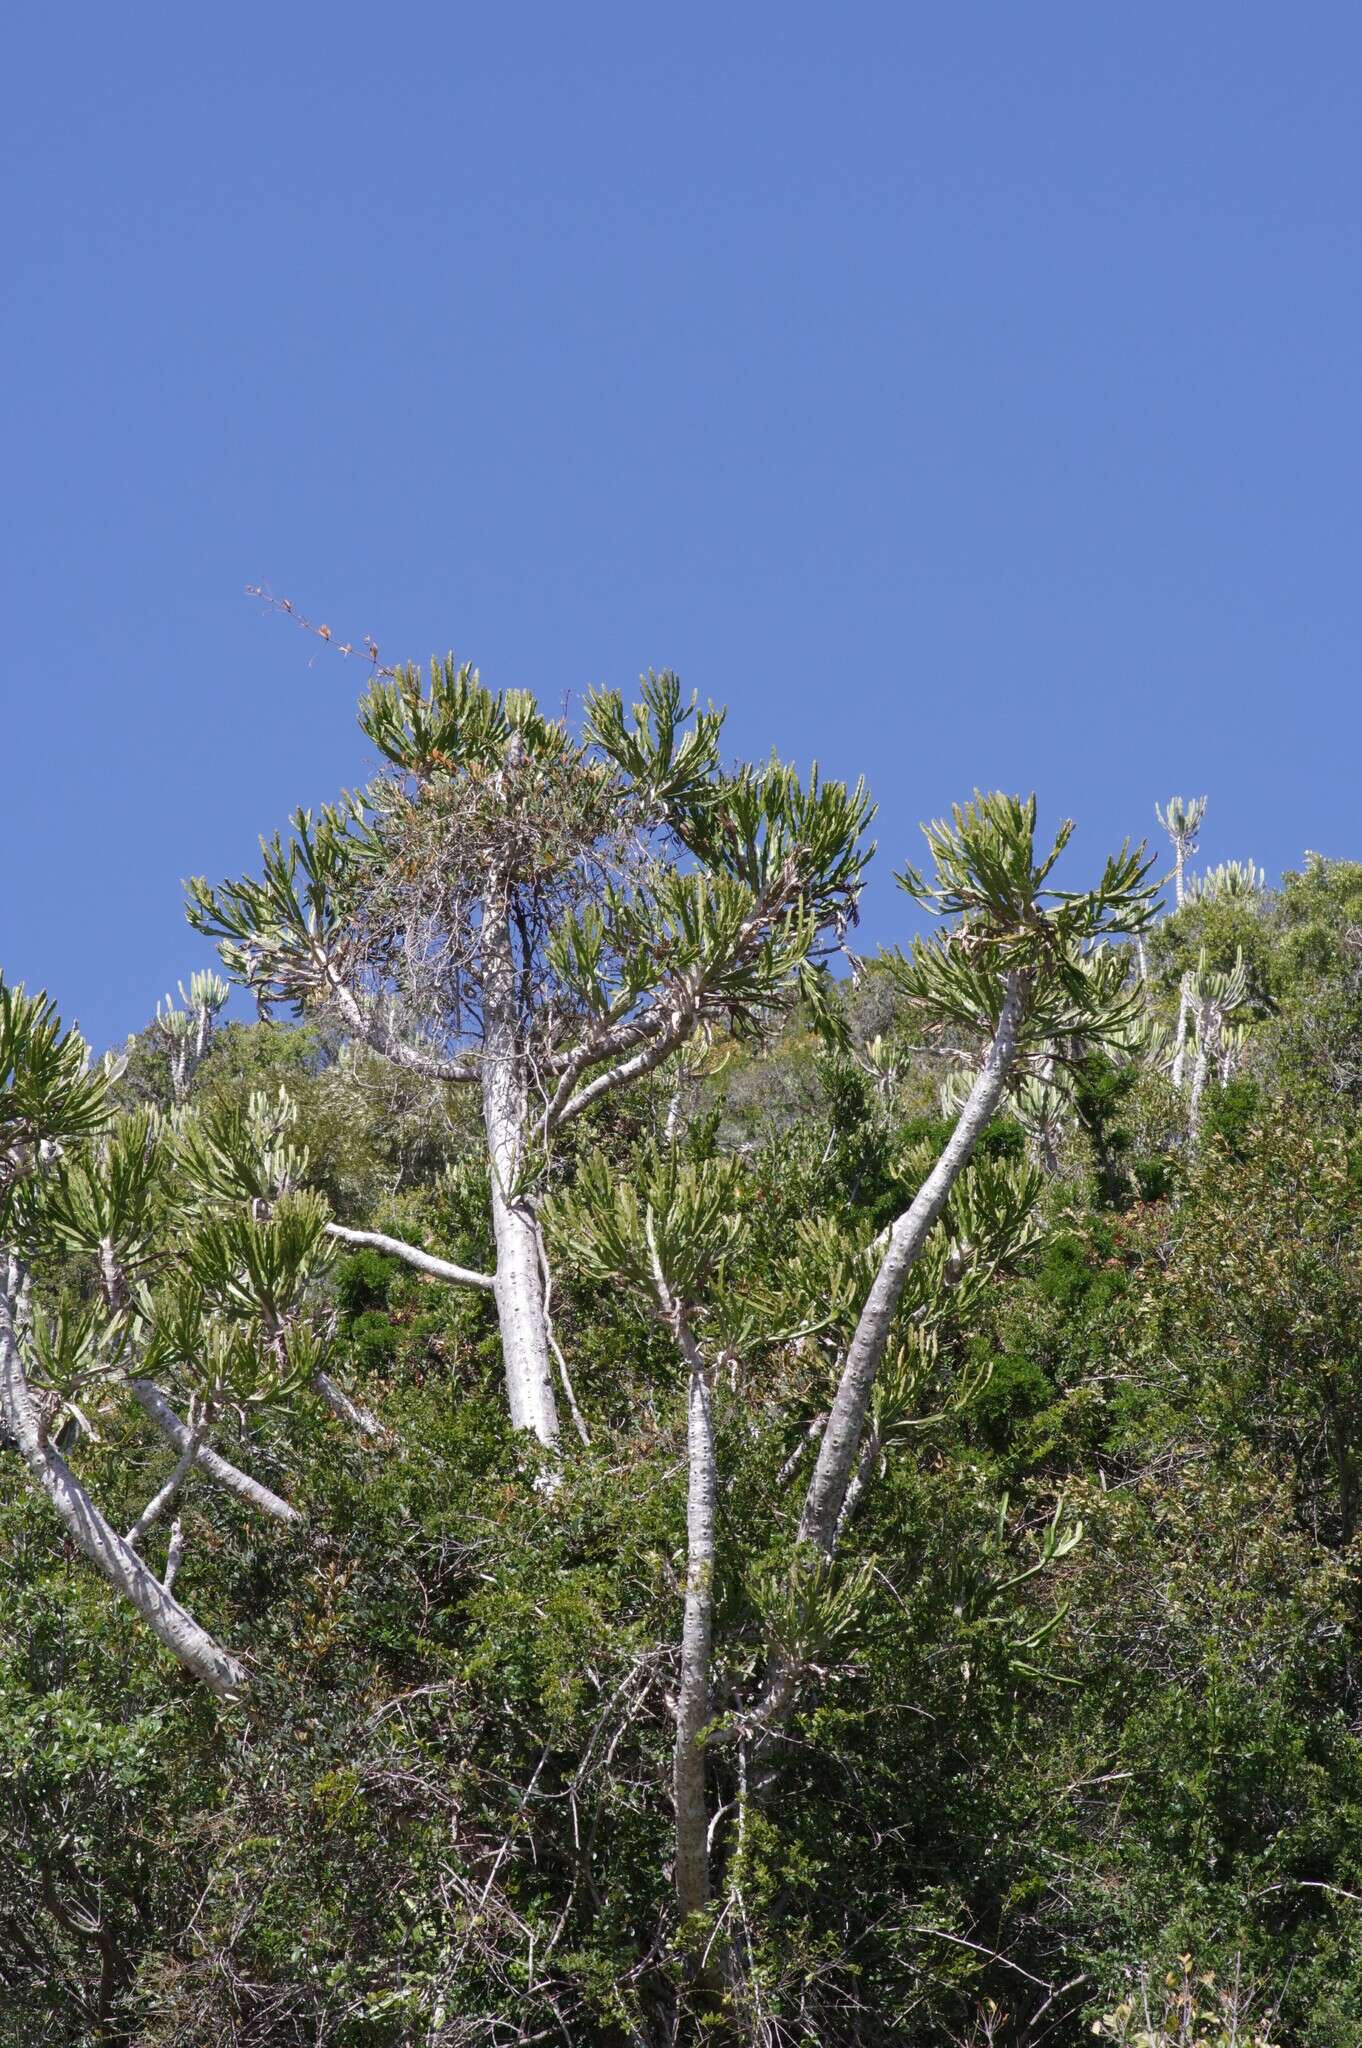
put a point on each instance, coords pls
(412, 1255)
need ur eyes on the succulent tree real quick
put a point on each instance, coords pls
(544, 919)
(667, 1236)
(1181, 820)
(1042, 1109)
(185, 1034)
(138, 1253)
(1022, 965)
(1211, 997)
(882, 1065)
(1232, 880)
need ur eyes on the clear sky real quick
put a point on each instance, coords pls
(963, 394)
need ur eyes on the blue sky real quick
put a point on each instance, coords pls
(964, 395)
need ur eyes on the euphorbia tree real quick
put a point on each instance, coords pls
(545, 919)
(1182, 821)
(1022, 967)
(1231, 881)
(184, 1035)
(1211, 996)
(137, 1254)
(672, 1234)
(667, 1241)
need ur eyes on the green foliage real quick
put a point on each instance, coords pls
(1232, 1113)
(672, 769)
(1010, 922)
(666, 1232)
(1187, 2010)
(1101, 1087)
(364, 1280)
(1038, 1788)
(48, 1095)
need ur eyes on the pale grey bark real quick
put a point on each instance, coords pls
(1180, 1040)
(847, 1450)
(215, 1467)
(860, 1478)
(412, 1255)
(162, 1499)
(673, 1032)
(518, 1286)
(174, 1555)
(520, 1306)
(697, 1634)
(341, 1405)
(1214, 996)
(841, 1441)
(112, 1278)
(120, 1565)
(812, 1430)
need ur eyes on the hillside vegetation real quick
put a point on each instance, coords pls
(612, 1471)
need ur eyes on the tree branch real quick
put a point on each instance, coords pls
(412, 1255)
(159, 1502)
(124, 1570)
(340, 1404)
(613, 1036)
(156, 1407)
(674, 1032)
(381, 1040)
(174, 1554)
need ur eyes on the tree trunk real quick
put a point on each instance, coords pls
(841, 1470)
(104, 1547)
(1180, 1043)
(519, 1288)
(841, 1441)
(697, 1631)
